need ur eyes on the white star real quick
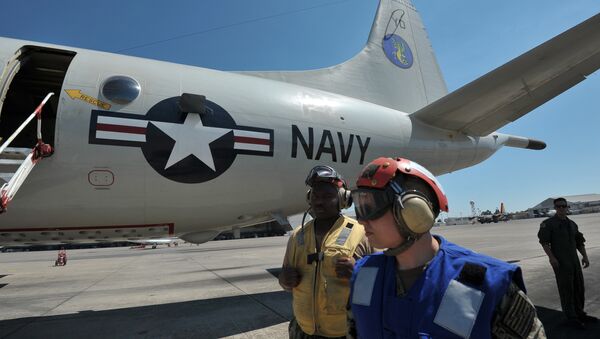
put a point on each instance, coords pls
(191, 137)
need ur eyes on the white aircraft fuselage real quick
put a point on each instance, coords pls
(133, 163)
(303, 127)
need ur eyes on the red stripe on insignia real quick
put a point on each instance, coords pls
(122, 129)
(248, 140)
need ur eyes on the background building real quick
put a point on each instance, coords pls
(585, 203)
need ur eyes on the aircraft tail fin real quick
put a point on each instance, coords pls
(396, 68)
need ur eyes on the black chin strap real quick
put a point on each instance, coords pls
(406, 244)
(409, 236)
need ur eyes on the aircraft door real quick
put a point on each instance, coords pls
(9, 66)
(27, 77)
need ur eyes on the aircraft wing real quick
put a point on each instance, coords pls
(519, 86)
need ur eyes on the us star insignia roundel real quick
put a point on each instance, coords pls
(184, 147)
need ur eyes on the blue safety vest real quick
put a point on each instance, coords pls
(455, 297)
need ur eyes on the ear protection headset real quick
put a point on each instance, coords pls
(413, 211)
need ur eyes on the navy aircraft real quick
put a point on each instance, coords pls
(499, 215)
(131, 148)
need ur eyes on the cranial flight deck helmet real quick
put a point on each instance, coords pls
(410, 190)
(322, 173)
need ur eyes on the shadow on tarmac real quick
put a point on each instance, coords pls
(554, 325)
(212, 318)
(275, 271)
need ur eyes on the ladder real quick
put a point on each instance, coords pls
(27, 158)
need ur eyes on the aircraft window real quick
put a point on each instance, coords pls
(121, 89)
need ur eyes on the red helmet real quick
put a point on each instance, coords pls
(381, 186)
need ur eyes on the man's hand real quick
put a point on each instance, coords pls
(344, 267)
(289, 277)
(585, 262)
(554, 262)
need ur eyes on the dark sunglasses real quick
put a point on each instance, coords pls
(561, 206)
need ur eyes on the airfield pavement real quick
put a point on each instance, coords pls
(228, 288)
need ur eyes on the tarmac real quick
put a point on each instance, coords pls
(229, 288)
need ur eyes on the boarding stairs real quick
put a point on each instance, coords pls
(16, 163)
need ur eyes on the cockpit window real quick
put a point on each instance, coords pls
(121, 89)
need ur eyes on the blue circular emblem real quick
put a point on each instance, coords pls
(397, 50)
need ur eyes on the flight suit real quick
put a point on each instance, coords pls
(564, 238)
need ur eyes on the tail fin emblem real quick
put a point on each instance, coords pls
(397, 51)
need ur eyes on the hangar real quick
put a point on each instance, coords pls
(578, 204)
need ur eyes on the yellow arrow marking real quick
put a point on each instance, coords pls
(76, 94)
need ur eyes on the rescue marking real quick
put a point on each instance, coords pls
(76, 94)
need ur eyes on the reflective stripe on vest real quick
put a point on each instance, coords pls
(300, 237)
(343, 236)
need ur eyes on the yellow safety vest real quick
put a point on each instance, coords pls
(320, 299)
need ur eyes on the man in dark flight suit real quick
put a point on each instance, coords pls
(560, 238)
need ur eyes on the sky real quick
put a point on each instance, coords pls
(469, 37)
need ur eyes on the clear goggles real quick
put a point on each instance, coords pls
(370, 204)
(322, 173)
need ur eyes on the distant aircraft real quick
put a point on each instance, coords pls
(485, 218)
(499, 215)
(146, 149)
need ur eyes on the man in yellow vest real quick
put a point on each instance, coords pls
(319, 259)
